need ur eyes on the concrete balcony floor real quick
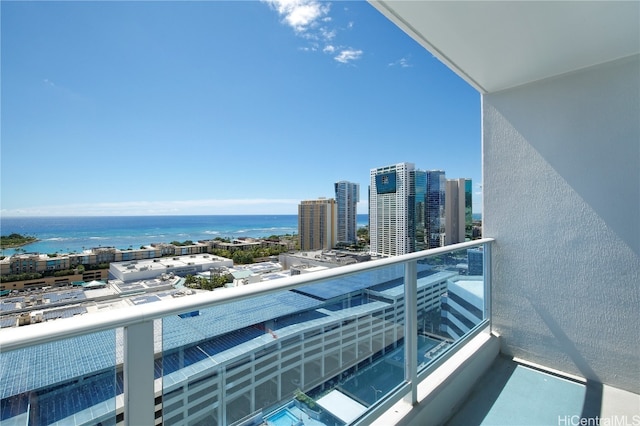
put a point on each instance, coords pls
(511, 393)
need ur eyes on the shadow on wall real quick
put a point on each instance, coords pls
(592, 404)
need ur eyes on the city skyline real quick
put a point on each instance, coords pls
(158, 108)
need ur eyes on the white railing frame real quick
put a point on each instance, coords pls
(137, 322)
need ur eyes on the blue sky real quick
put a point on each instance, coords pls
(244, 107)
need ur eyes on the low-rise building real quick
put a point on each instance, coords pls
(326, 258)
(178, 265)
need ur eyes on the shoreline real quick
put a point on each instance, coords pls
(24, 241)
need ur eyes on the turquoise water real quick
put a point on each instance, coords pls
(283, 418)
(74, 234)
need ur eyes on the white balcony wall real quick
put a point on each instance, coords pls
(561, 175)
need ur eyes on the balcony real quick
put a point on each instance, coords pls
(335, 347)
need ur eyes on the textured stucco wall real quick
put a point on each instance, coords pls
(561, 180)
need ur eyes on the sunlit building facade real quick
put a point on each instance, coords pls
(457, 209)
(317, 224)
(392, 210)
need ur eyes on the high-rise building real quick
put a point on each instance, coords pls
(468, 209)
(457, 210)
(347, 197)
(419, 187)
(435, 217)
(392, 209)
(317, 224)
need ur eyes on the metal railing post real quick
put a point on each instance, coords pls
(486, 270)
(138, 370)
(411, 329)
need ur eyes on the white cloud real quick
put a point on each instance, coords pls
(402, 62)
(329, 49)
(310, 20)
(348, 55)
(327, 34)
(301, 15)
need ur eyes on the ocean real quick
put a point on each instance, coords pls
(75, 234)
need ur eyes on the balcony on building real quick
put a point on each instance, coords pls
(547, 333)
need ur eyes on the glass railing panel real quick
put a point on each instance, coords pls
(70, 381)
(450, 301)
(371, 345)
(294, 354)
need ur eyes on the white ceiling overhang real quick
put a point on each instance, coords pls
(496, 45)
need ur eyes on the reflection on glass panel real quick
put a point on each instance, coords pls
(71, 381)
(450, 299)
(295, 354)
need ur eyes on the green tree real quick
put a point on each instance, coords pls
(363, 233)
(242, 257)
(15, 240)
(190, 281)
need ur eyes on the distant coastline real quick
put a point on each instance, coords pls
(16, 240)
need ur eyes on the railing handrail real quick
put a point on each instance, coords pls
(35, 334)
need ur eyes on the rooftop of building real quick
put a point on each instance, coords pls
(166, 262)
(473, 286)
(80, 298)
(257, 268)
